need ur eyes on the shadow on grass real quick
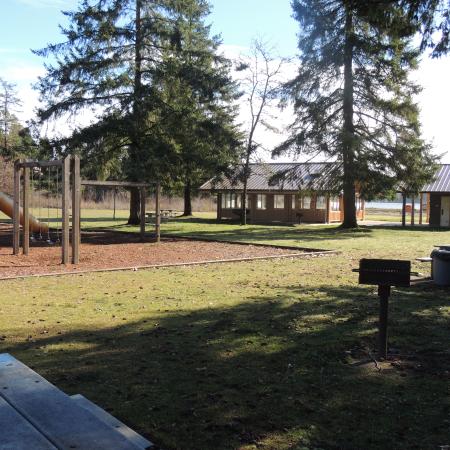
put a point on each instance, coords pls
(267, 234)
(421, 228)
(271, 371)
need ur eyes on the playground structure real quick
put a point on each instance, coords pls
(71, 184)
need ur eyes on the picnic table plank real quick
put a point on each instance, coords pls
(130, 434)
(53, 413)
(16, 433)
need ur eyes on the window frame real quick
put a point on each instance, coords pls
(309, 202)
(276, 198)
(335, 204)
(261, 201)
(322, 203)
(231, 200)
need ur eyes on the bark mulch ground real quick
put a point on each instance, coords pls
(114, 250)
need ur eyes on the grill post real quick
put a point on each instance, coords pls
(383, 293)
(384, 273)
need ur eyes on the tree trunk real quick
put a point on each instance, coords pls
(187, 199)
(404, 209)
(348, 141)
(137, 125)
(135, 207)
(246, 177)
(244, 204)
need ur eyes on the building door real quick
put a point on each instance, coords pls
(445, 211)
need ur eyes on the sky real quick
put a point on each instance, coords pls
(31, 24)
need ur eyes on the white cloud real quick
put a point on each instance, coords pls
(21, 73)
(433, 76)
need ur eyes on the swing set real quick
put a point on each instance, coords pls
(69, 184)
(66, 178)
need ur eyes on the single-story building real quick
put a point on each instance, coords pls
(437, 198)
(284, 193)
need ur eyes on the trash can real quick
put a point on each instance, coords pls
(441, 266)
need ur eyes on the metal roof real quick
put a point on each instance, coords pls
(441, 181)
(320, 176)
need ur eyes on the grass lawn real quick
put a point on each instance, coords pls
(247, 355)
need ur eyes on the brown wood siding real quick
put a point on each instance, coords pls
(435, 210)
(288, 214)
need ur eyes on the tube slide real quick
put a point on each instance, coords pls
(6, 206)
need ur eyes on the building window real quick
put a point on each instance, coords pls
(358, 204)
(261, 201)
(334, 203)
(230, 201)
(293, 202)
(321, 202)
(306, 203)
(224, 201)
(278, 201)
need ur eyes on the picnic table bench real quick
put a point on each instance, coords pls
(36, 415)
(166, 214)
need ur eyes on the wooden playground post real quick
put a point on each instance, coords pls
(76, 200)
(158, 212)
(142, 221)
(26, 211)
(65, 209)
(16, 209)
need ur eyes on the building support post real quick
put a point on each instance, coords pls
(383, 294)
(26, 211)
(16, 209)
(65, 209)
(142, 221)
(421, 209)
(158, 212)
(76, 206)
(328, 206)
(219, 206)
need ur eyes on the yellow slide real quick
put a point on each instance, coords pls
(6, 206)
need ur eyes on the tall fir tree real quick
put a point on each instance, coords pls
(200, 93)
(353, 98)
(125, 60)
(107, 63)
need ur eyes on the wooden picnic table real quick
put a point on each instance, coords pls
(36, 415)
(166, 214)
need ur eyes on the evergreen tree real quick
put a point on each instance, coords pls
(107, 63)
(200, 92)
(432, 18)
(353, 98)
(151, 75)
